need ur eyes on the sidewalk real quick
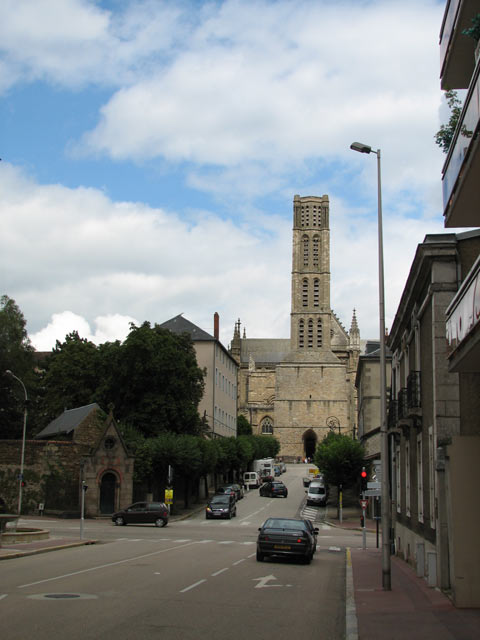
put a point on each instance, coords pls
(410, 611)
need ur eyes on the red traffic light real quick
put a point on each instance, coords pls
(363, 473)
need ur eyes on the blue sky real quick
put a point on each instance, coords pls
(151, 151)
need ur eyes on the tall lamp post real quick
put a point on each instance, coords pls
(22, 459)
(386, 567)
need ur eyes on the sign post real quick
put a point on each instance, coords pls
(168, 498)
(364, 504)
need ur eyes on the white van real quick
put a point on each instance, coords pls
(251, 480)
(317, 493)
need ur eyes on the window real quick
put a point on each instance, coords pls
(316, 292)
(398, 483)
(305, 293)
(419, 478)
(431, 475)
(315, 251)
(305, 251)
(407, 478)
(267, 426)
(319, 332)
(310, 334)
(301, 336)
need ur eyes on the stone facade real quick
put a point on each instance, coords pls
(301, 387)
(81, 446)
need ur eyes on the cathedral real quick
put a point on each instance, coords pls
(300, 388)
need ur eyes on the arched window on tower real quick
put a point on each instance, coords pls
(305, 292)
(310, 334)
(306, 256)
(316, 242)
(301, 334)
(267, 426)
(319, 332)
(316, 292)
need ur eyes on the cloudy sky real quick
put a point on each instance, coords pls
(151, 150)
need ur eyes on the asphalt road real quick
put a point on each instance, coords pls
(193, 579)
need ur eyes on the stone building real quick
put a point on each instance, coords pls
(81, 445)
(434, 439)
(299, 388)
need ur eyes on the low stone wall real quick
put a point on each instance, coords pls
(24, 535)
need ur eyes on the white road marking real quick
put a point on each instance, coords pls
(226, 542)
(238, 562)
(104, 566)
(262, 582)
(192, 586)
(217, 573)
(4, 595)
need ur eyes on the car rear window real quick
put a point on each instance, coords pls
(279, 523)
(220, 499)
(156, 506)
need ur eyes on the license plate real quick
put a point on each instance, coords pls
(283, 547)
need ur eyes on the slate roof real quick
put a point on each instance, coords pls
(67, 422)
(179, 324)
(265, 350)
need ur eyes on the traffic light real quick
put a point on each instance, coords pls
(363, 479)
(24, 484)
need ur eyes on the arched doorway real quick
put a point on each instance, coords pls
(309, 443)
(107, 492)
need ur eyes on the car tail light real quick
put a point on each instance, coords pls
(299, 539)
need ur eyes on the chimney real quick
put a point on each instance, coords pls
(216, 326)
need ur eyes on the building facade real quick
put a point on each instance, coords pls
(299, 388)
(426, 430)
(218, 405)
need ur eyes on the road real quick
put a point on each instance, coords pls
(193, 579)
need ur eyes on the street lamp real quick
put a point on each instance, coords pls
(22, 460)
(386, 568)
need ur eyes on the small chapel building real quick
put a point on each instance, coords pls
(300, 388)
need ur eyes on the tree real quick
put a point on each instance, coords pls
(444, 136)
(72, 375)
(340, 459)
(244, 428)
(155, 383)
(16, 355)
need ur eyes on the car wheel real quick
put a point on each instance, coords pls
(260, 556)
(235, 513)
(119, 521)
(307, 559)
(207, 517)
(160, 522)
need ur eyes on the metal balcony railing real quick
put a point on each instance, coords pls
(392, 416)
(402, 403)
(414, 400)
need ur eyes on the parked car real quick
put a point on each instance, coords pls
(273, 489)
(227, 489)
(306, 481)
(251, 480)
(142, 513)
(221, 506)
(317, 493)
(277, 471)
(286, 537)
(239, 493)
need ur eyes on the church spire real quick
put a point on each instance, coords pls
(354, 332)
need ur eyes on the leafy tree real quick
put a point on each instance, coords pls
(244, 428)
(72, 375)
(444, 136)
(16, 355)
(340, 459)
(265, 447)
(156, 384)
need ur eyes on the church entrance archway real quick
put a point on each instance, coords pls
(309, 443)
(107, 492)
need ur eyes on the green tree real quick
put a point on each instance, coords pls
(444, 135)
(155, 384)
(16, 355)
(340, 459)
(244, 428)
(72, 375)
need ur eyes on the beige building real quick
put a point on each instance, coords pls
(218, 405)
(299, 388)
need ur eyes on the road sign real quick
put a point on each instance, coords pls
(374, 485)
(364, 504)
(168, 496)
(373, 492)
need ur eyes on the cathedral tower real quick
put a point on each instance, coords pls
(310, 328)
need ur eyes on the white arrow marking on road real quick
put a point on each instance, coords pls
(262, 582)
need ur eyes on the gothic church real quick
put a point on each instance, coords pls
(300, 388)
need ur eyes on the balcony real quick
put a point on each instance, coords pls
(463, 324)
(461, 170)
(414, 399)
(392, 417)
(456, 50)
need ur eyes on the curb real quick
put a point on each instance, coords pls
(351, 622)
(13, 553)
